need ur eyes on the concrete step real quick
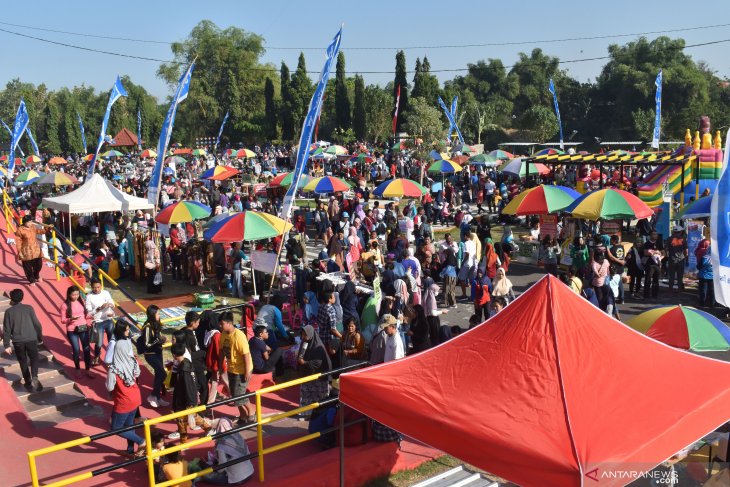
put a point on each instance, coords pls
(53, 383)
(6, 361)
(38, 404)
(46, 369)
(53, 418)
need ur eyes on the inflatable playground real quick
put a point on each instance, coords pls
(701, 166)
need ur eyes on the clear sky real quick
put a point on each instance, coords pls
(368, 24)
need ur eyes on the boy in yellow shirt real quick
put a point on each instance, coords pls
(240, 365)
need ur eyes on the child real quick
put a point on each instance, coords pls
(613, 282)
(158, 444)
(185, 395)
(176, 468)
(481, 289)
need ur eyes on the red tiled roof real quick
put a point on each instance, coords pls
(125, 138)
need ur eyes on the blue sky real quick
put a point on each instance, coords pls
(369, 23)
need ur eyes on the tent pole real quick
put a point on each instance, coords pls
(342, 445)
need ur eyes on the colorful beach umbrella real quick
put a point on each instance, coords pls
(399, 188)
(247, 225)
(148, 153)
(32, 159)
(518, 167)
(683, 327)
(245, 153)
(219, 173)
(57, 179)
(697, 209)
(398, 146)
(501, 154)
(460, 160)
(609, 204)
(58, 161)
(183, 212)
(183, 151)
(327, 184)
(444, 166)
(283, 180)
(88, 157)
(112, 153)
(549, 152)
(484, 160)
(28, 176)
(541, 200)
(463, 148)
(175, 160)
(336, 150)
(362, 158)
(199, 152)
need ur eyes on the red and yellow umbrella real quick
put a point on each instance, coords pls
(32, 159)
(219, 173)
(244, 153)
(609, 204)
(148, 153)
(57, 179)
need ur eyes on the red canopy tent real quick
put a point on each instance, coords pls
(551, 391)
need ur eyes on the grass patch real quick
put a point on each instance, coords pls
(406, 478)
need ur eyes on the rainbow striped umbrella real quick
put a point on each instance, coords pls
(501, 154)
(57, 179)
(112, 153)
(176, 160)
(247, 225)
(148, 153)
(32, 159)
(683, 327)
(199, 152)
(88, 157)
(444, 165)
(399, 188)
(245, 153)
(336, 150)
(609, 204)
(362, 158)
(541, 200)
(28, 176)
(284, 180)
(549, 152)
(327, 184)
(182, 212)
(219, 173)
(58, 161)
(518, 167)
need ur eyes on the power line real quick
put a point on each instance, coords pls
(273, 70)
(391, 48)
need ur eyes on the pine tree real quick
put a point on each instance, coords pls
(53, 125)
(270, 131)
(425, 85)
(301, 93)
(402, 81)
(285, 114)
(359, 118)
(342, 98)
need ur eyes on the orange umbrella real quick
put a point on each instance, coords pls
(57, 160)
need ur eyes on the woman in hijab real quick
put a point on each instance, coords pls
(490, 261)
(430, 307)
(348, 301)
(355, 245)
(311, 307)
(152, 265)
(122, 383)
(413, 266)
(313, 359)
(228, 448)
(419, 332)
(503, 286)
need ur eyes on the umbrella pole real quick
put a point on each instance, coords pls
(276, 264)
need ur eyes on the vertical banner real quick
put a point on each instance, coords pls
(395, 114)
(83, 134)
(10, 132)
(32, 142)
(551, 89)
(21, 123)
(658, 118)
(454, 103)
(452, 121)
(220, 132)
(183, 87)
(139, 130)
(117, 92)
(315, 107)
(720, 232)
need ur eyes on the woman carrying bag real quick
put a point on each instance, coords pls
(152, 266)
(74, 318)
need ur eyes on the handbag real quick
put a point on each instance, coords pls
(81, 328)
(158, 279)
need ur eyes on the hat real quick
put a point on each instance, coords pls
(677, 228)
(388, 320)
(345, 214)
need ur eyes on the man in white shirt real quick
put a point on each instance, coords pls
(489, 188)
(468, 265)
(394, 349)
(100, 306)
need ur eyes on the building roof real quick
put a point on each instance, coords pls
(125, 138)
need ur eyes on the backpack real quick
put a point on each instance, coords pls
(139, 343)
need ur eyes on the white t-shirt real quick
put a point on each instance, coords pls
(471, 248)
(394, 349)
(94, 301)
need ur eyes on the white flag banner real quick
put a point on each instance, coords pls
(263, 261)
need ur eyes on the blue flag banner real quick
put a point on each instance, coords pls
(452, 121)
(21, 123)
(183, 87)
(10, 132)
(551, 88)
(720, 231)
(117, 92)
(220, 132)
(305, 139)
(32, 142)
(139, 129)
(658, 119)
(454, 103)
(83, 134)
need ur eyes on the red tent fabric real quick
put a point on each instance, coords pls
(125, 138)
(551, 391)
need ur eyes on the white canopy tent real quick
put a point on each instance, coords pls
(96, 196)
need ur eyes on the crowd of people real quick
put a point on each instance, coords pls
(377, 291)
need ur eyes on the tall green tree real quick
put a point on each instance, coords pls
(424, 120)
(359, 116)
(285, 113)
(401, 81)
(301, 94)
(52, 144)
(425, 84)
(378, 112)
(342, 97)
(270, 110)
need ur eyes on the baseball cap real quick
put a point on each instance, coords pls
(388, 320)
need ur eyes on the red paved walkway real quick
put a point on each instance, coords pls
(301, 465)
